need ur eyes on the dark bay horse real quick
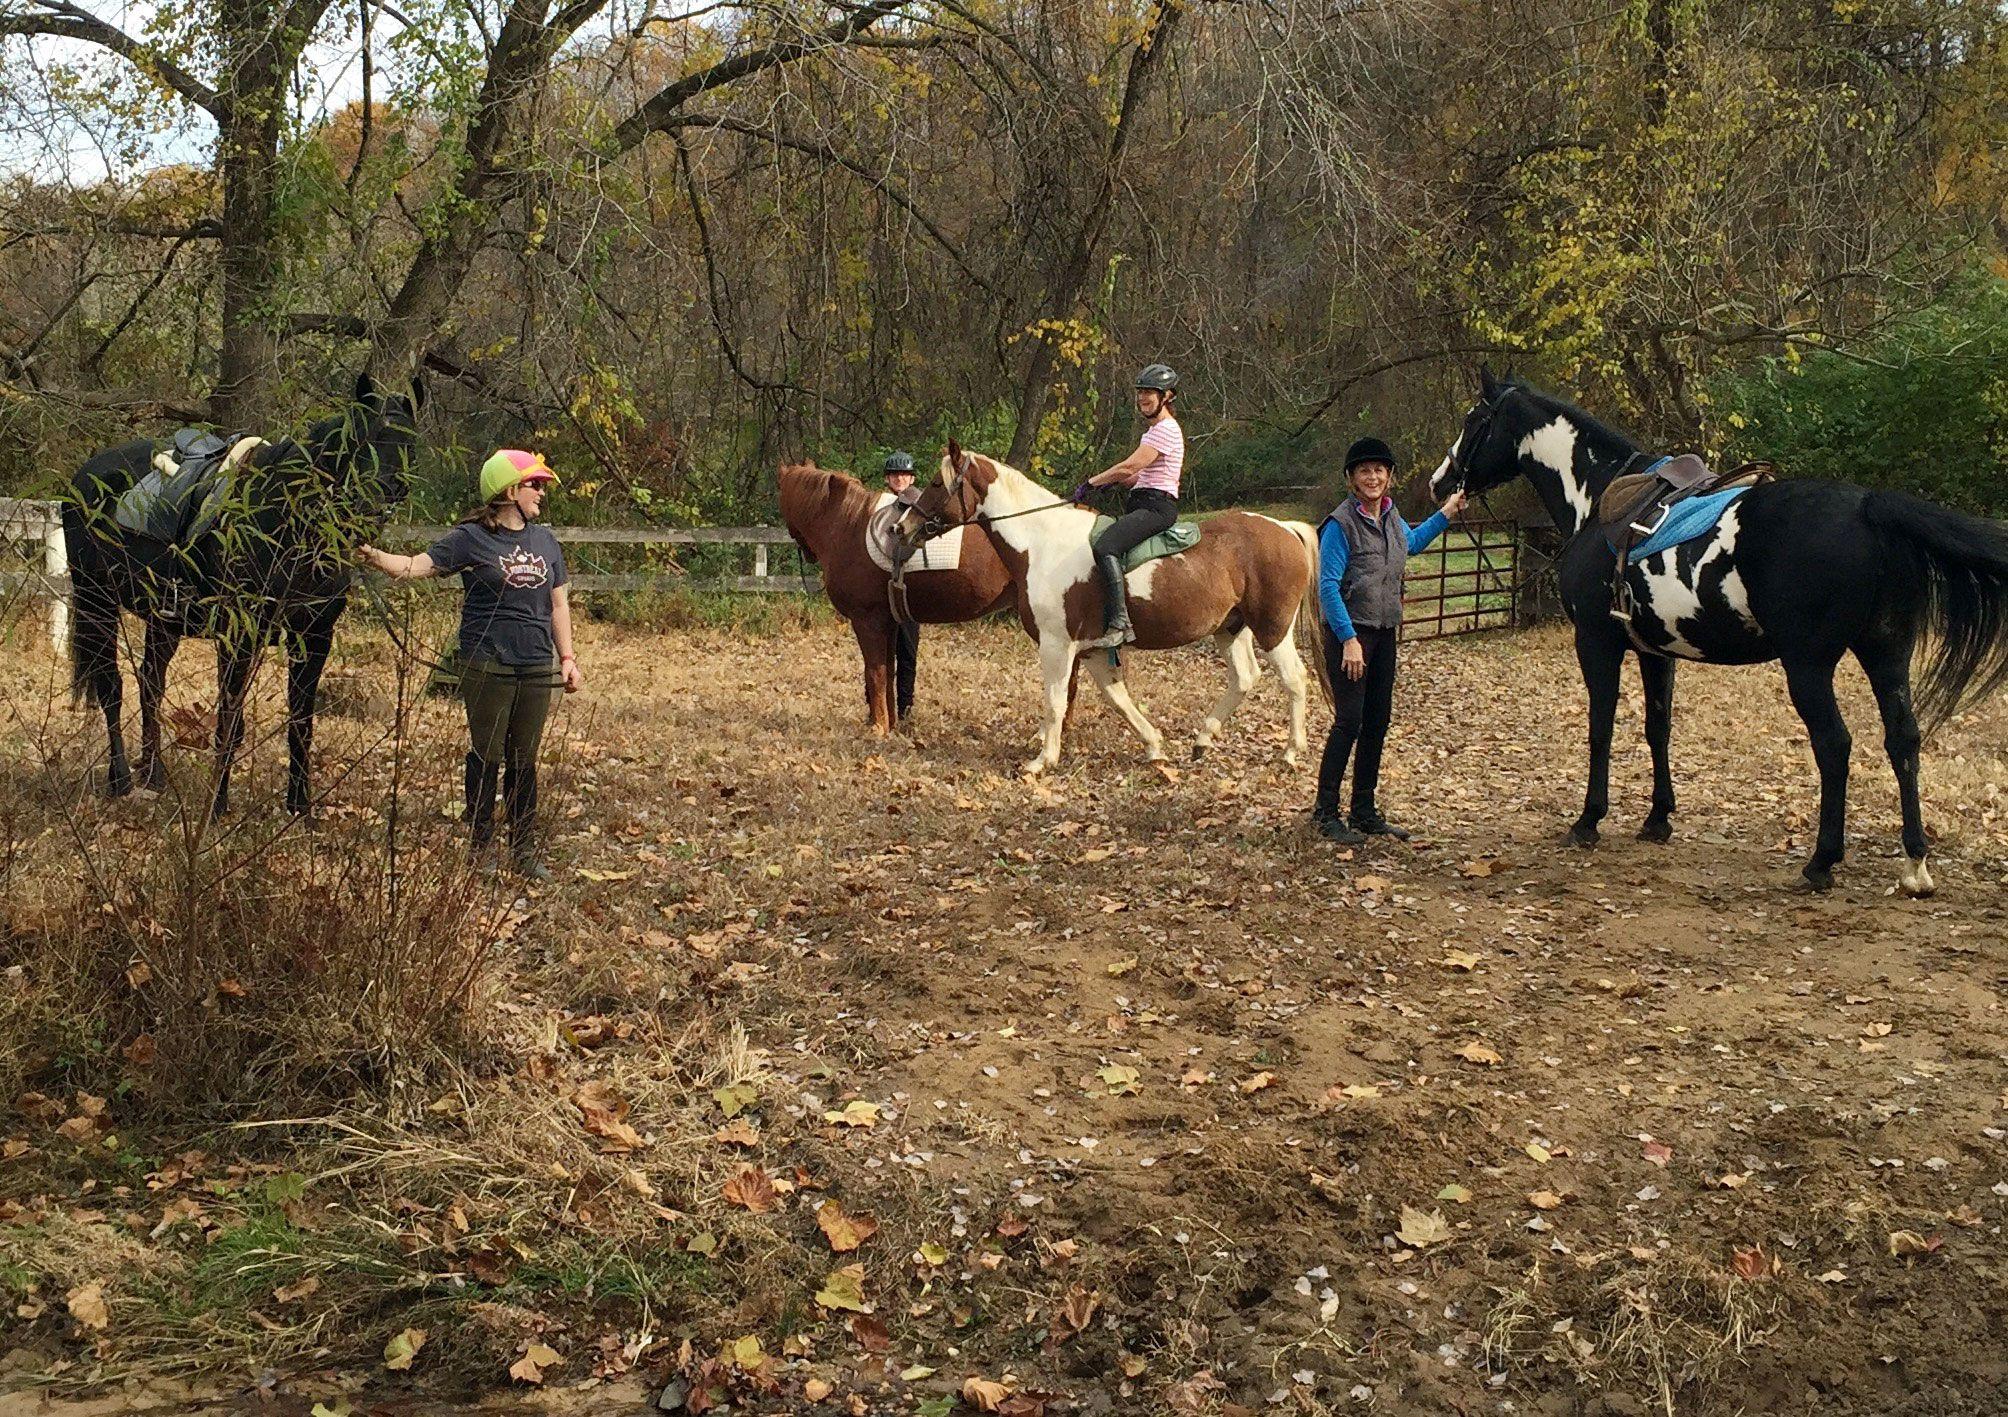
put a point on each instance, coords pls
(275, 565)
(827, 513)
(1798, 571)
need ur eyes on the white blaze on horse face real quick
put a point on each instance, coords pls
(1443, 468)
(1553, 445)
(1671, 597)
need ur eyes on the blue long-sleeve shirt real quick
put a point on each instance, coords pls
(1334, 551)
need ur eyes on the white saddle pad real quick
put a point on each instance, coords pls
(943, 553)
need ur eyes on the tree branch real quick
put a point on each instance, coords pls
(67, 21)
(654, 115)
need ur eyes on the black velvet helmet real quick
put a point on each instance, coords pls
(1368, 450)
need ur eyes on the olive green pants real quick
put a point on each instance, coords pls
(507, 705)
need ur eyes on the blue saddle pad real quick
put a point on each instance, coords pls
(1694, 517)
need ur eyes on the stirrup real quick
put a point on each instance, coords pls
(1644, 531)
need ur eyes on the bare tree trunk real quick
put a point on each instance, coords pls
(1064, 295)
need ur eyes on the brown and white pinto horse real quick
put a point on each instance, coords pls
(1246, 584)
(826, 512)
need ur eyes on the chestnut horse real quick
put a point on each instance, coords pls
(1247, 583)
(826, 512)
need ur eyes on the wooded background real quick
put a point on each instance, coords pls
(672, 246)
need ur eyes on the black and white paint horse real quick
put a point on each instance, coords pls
(1798, 571)
(275, 566)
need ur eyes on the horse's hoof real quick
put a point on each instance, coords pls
(1033, 768)
(1581, 835)
(1656, 829)
(1819, 879)
(1916, 879)
(116, 789)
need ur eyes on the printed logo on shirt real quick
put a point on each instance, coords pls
(523, 571)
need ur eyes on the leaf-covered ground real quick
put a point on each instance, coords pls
(861, 1075)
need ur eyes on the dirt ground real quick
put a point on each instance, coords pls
(1159, 1102)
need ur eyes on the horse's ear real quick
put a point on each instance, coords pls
(365, 389)
(1487, 385)
(419, 392)
(951, 461)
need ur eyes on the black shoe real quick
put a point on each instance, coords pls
(1374, 824)
(1334, 829)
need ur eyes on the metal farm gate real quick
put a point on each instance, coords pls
(1470, 579)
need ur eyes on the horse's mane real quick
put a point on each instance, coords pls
(808, 492)
(1589, 421)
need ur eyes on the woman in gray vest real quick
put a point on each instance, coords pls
(1362, 548)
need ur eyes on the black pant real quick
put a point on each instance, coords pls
(905, 659)
(1146, 512)
(1361, 711)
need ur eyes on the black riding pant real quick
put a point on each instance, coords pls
(1361, 711)
(1146, 513)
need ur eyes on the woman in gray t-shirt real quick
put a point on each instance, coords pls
(515, 640)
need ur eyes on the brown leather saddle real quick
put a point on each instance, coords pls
(1636, 505)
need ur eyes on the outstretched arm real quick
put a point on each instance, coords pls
(401, 568)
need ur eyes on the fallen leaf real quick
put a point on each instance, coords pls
(855, 1114)
(1476, 1052)
(289, 1293)
(931, 1254)
(1538, 1152)
(1833, 1276)
(1657, 1152)
(1422, 1229)
(1119, 1079)
(1371, 883)
(1544, 1200)
(844, 1289)
(752, 1189)
(398, 1353)
(871, 1334)
(1463, 960)
(1477, 868)
(1751, 1263)
(1258, 1082)
(603, 1111)
(1909, 1242)
(845, 1232)
(815, 1389)
(1354, 1091)
(984, 1395)
(1122, 967)
(736, 1098)
(1455, 1194)
(141, 1051)
(738, 1132)
(530, 1367)
(702, 1243)
(87, 1305)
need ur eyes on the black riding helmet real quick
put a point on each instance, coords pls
(897, 462)
(1368, 450)
(1161, 377)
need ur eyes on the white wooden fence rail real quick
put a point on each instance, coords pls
(33, 531)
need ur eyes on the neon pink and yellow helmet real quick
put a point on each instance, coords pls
(511, 466)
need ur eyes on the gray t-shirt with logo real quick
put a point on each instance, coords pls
(508, 577)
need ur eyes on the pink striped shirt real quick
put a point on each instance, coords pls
(1168, 439)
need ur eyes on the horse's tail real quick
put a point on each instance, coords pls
(1310, 613)
(90, 645)
(1951, 578)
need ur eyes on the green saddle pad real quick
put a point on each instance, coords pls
(1183, 536)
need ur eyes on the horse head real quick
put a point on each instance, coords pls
(1483, 456)
(954, 498)
(365, 450)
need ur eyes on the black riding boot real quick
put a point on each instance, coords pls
(519, 792)
(481, 776)
(1115, 605)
